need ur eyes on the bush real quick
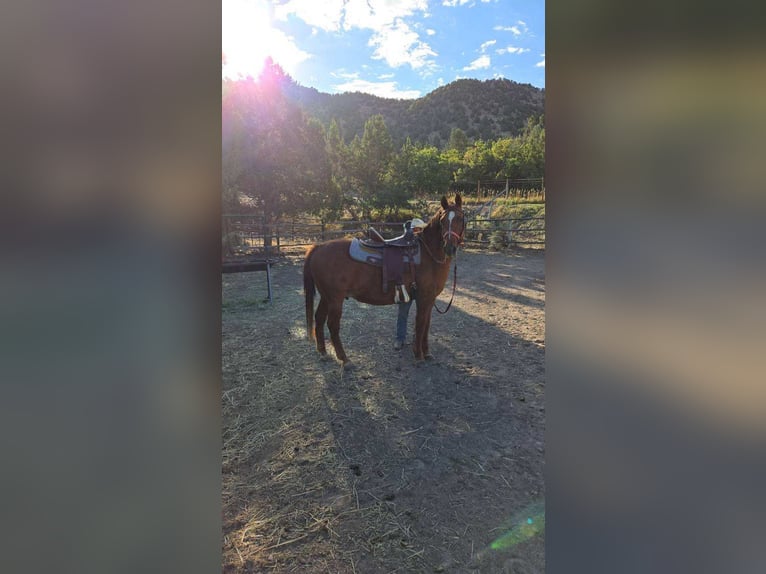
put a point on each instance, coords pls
(498, 240)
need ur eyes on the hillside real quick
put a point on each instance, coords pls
(486, 110)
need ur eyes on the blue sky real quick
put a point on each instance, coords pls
(390, 48)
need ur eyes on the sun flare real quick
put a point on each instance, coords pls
(246, 37)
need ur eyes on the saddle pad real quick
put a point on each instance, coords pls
(374, 255)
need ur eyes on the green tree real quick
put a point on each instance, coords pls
(532, 148)
(272, 154)
(337, 153)
(452, 162)
(506, 153)
(458, 141)
(523, 156)
(369, 159)
(479, 162)
(420, 170)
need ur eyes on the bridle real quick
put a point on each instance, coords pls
(446, 236)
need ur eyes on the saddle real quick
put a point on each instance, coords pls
(392, 255)
(375, 239)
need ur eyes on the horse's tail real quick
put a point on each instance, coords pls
(309, 289)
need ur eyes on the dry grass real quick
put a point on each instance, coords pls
(394, 466)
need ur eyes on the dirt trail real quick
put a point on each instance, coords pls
(395, 465)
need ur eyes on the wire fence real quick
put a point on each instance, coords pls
(249, 234)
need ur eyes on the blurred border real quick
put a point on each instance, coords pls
(655, 405)
(110, 286)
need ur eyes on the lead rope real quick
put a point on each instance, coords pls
(454, 284)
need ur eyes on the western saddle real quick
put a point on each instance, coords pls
(396, 253)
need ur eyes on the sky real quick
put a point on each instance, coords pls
(390, 48)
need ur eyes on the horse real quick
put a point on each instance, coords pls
(329, 269)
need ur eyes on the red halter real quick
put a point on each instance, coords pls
(449, 233)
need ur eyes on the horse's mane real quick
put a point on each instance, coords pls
(434, 221)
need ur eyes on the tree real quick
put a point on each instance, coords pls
(532, 148)
(369, 159)
(479, 163)
(271, 153)
(458, 141)
(523, 156)
(420, 170)
(337, 154)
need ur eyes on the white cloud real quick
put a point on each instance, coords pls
(345, 75)
(541, 63)
(399, 45)
(386, 76)
(518, 29)
(393, 39)
(512, 50)
(452, 3)
(382, 89)
(332, 15)
(326, 15)
(430, 32)
(359, 14)
(486, 45)
(478, 64)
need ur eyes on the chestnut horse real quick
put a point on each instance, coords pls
(330, 269)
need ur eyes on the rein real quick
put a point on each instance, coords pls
(428, 249)
(454, 284)
(454, 276)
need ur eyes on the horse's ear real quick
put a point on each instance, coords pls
(458, 201)
(445, 203)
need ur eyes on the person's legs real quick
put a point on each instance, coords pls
(401, 323)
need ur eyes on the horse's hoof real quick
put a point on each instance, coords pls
(348, 365)
(325, 358)
(428, 357)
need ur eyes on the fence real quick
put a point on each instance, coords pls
(485, 188)
(512, 231)
(250, 234)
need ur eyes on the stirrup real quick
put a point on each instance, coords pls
(401, 295)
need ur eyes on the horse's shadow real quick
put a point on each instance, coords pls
(455, 443)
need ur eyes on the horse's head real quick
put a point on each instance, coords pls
(452, 223)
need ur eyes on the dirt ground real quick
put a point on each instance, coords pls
(394, 466)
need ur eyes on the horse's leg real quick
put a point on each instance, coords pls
(335, 311)
(319, 320)
(424, 344)
(423, 312)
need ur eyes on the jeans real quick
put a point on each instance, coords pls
(401, 320)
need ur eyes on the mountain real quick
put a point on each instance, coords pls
(487, 110)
